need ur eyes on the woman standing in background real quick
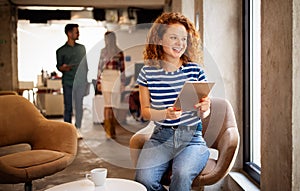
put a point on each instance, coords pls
(111, 80)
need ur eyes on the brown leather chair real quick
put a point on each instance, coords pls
(51, 145)
(221, 135)
(8, 92)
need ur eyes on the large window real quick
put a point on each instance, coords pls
(252, 87)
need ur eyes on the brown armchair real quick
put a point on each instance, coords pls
(221, 134)
(8, 92)
(52, 145)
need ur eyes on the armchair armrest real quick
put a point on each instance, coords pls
(52, 135)
(227, 146)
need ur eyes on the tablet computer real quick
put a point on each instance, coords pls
(191, 93)
(73, 65)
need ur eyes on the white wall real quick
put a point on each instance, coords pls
(132, 44)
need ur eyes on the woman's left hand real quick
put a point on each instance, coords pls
(172, 113)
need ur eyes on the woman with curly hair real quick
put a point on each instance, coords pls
(172, 56)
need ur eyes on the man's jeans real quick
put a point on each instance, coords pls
(73, 96)
(184, 147)
(67, 90)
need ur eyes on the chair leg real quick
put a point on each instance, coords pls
(28, 186)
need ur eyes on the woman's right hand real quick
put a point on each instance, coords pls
(172, 113)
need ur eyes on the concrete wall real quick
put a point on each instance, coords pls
(223, 53)
(8, 47)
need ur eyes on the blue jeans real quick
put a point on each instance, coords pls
(67, 90)
(73, 96)
(184, 148)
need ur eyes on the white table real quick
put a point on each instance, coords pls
(111, 184)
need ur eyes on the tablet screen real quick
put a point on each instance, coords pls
(191, 93)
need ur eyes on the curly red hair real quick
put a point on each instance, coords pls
(153, 52)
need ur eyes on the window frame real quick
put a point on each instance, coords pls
(249, 167)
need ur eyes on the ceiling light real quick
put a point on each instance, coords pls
(55, 8)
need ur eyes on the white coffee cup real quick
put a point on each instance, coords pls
(97, 176)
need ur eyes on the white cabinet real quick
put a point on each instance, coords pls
(49, 99)
(50, 103)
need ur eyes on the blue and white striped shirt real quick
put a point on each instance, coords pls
(164, 88)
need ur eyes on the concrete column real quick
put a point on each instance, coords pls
(186, 7)
(177, 5)
(280, 95)
(8, 46)
(199, 16)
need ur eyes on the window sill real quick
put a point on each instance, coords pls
(243, 181)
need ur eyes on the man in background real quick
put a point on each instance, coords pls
(72, 62)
